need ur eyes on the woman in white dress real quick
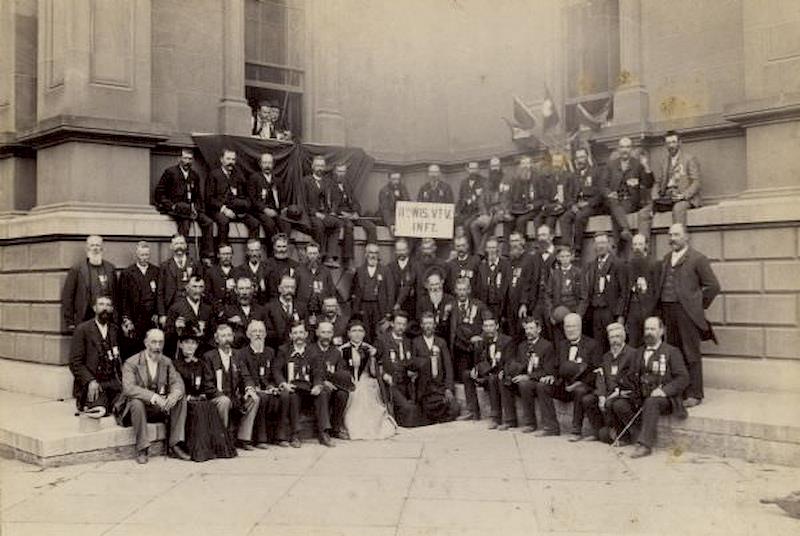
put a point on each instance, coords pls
(366, 416)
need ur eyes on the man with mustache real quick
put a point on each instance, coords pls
(191, 309)
(644, 275)
(463, 265)
(95, 361)
(403, 278)
(314, 281)
(588, 201)
(331, 364)
(606, 283)
(138, 294)
(348, 210)
(283, 312)
(279, 265)
(388, 197)
(436, 388)
(227, 201)
(174, 275)
(221, 279)
(268, 197)
(528, 195)
(86, 281)
(492, 349)
(325, 226)
(245, 311)
(256, 270)
(179, 196)
(524, 286)
(687, 288)
(371, 291)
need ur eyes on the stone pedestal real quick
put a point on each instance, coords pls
(325, 100)
(234, 113)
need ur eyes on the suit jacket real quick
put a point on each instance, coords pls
(491, 286)
(537, 360)
(471, 197)
(391, 360)
(695, 284)
(616, 181)
(305, 371)
(524, 285)
(503, 351)
(175, 195)
(317, 196)
(568, 191)
(225, 191)
(558, 282)
(644, 277)
(465, 326)
(263, 195)
(277, 268)
(257, 312)
(181, 307)
(372, 289)
(444, 373)
(457, 269)
(168, 381)
(93, 358)
(138, 296)
(441, 193)
(329, 361)
(685, 175)
(313, 287)
(76, 293)
(260, 366)
(589, 353)
(673, 378)
(441, 313)
(172, 282)
(259, 278)
(529, 193)
(279, 323)
(220, 287)
(590, 186)
(606, 284)
(233, 383)
(343, 199)
(618, 373)
(387, 201)
(404, 283)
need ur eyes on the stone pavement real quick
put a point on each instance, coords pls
(457, 478)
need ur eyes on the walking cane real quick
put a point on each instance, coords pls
(622, 433)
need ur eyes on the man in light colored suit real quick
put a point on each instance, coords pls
(686, 288)
(154, 392)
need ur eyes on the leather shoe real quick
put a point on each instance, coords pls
(244, 445)
(295, 443)
(341, 434)
(574, 438)
(284, 444)
(692, 402)
(528, 429)
(641, 451)
(468, 416)
(141, 456)
(503, 427)
(262, 446)
(545, 433)
(493, 426)
(325, 439)
(178, 452)
(591, 438)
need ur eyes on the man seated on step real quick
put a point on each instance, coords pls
(662, 378)
(95, 361)
(154, 392)
(436, 391)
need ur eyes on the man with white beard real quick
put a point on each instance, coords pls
(86, 281)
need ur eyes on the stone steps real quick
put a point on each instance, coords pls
(757, 427)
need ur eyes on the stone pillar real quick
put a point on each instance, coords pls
(234, 113)
(327, 125)
(630, 99)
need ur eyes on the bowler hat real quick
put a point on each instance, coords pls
(571, 371)
(293, 214)
(343, 380)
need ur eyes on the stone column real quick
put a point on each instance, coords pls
(234, 113)
(327, 124)
(630, 99)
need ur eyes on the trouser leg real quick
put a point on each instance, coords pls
(348, 241)
(370, 230)
(248, 419)
(322, 410)
(470, 393)
(138, 416)
(293, 414)
(527, 392)
(654, 407)
(508, 401)
(620, 412)
(683, 333)
(493, 387)
(547, 408)
(577, 408)
(592, 411)
(223, 405)
(223, 227)
(338, 404)
(679, 211)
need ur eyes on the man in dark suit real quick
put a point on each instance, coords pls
(371, 291)
(662, 377)
(546, 252)
(284, 311)
(435, 190)
(688, 286)
(239, 315)
(427, 262)
(612, 403)
(348, 210)
(494, 280)
(524, 285)
(626, 190)
(587, 203)
(472, 208)
(256, 270)
(331, 362)
(298, 374)
(435, 388)
(173, 275)
(532, 362)
(178, 195)
(466, 326)
(230, 387)
(314, 281)
(332, 312)
(95, 361)
(436, 301)
(86, 281)
(606, 281)
(491, 352)
(221, 280)
(644, 277)
(529, 193)
(403, 277)
(279, 265)
(267, 197)
(565, 288)
(273, 404)
(138, 293)
(398, 370)
(388, 197)
(190, 310)
(324, 224)
(226, 198)
(463, 265)
(561, 190)
(153, 392)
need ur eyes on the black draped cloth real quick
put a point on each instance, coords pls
(292, 160)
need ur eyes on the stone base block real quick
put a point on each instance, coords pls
(48, 381)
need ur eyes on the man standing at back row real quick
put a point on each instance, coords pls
(687, 287)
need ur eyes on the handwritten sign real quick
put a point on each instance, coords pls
(424, 220)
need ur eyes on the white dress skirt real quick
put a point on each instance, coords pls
(366, 416)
